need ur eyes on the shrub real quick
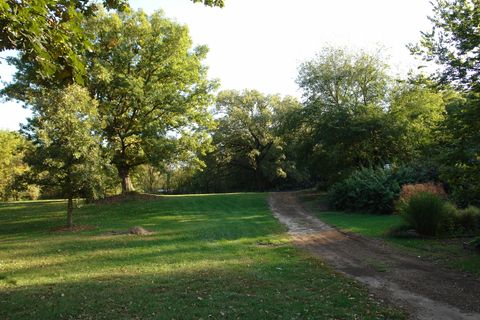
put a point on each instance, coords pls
(429, 214)
(408, 190)
(368, 189)
(468, 220)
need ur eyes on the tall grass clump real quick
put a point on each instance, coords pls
(429, 214)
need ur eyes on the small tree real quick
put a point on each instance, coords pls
(67, 152)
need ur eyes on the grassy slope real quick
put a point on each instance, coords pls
(448, 252)
(213, 256)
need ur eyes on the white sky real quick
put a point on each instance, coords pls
(259, 44)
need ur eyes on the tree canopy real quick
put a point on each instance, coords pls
(152, 90)
(453, 41)
(50, 32)
(343, 121)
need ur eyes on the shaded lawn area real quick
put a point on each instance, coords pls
(212, 256)
(449, 252)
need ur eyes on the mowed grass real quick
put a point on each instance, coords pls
(448, 252)
(211, 257)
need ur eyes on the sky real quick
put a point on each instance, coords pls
(259, 44)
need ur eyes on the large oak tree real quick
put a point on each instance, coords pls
(152, 90)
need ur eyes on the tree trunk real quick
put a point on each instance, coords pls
(127, 185)
(70, 212)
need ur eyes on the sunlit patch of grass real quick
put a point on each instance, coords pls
(217, 256)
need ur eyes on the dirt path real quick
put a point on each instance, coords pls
(424, 289)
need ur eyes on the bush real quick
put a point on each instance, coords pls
(429, 214)
(468, 220)
(367, 189)
(408, 190)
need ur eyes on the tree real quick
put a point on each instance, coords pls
(66, 151)
(453, 42)
(343, 124)
(337, 79)
(50, 33)
(152, 90)
(459, 149)
(248, 148)
(416, 112)
(12, 150)
(453, 45)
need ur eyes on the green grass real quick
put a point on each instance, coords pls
(212, 256)
(446, 251)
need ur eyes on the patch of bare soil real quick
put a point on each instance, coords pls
(128, 197)
(422, 288)
(72, 229)
(139, 231)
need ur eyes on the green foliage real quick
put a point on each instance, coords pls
(152, 91)
(149, 179)
(12, 150)
(453, 45)
(416, 172)
(467, 220)
(416, 110)
(249, 151)
(337, 79)
(365, 190)
(66, 152)
(429, 214)
(460, 151)
(49, 34)
(453, 42)
(343, 125)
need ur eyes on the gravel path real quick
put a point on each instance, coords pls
(423, 289)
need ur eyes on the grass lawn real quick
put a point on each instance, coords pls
(211, 257)
(446, 251)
